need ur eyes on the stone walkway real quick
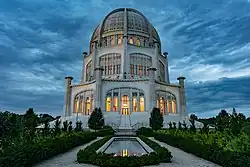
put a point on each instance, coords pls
(180, 158)
(183, 159)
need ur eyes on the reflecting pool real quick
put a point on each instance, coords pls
(125, 147)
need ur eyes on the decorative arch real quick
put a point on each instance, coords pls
(139, 63)
(111, 63)
(83, 102)
(116, 97)
(138, 42)
(131, 40)
(166, 102)
(119, 40)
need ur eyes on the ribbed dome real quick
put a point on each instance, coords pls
(125, 21)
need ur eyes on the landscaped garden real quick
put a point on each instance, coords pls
(22, 144)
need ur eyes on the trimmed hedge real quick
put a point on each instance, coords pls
(89, 155)
(145, 132)
(212, 152)
(106, 131)
(29, 154)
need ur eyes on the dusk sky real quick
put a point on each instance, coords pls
(208, 42)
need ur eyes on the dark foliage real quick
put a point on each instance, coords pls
(96, 120)
(210, 152)
(65, 126)
(156, 119)
(145, 132)
(28, 154)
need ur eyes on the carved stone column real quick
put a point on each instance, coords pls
(84, 54)
(67, 96)
(166, 67)
(182, 96)
(97, 95)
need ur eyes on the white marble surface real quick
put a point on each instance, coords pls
(180, 159)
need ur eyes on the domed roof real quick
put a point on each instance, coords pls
(125, 21)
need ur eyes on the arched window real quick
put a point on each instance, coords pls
(76, 105)
(135, 106)
(108, 104)
(81, 105)
(139, 63)
(125, 105)
(87, 106)
(138, 42)
(115, 101)
(111, 63)
(131, 40)
(162, 105)
(119, 40)
(112, 40)
(173, 106)
(142, 104)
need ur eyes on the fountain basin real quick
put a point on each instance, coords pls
(125, 146)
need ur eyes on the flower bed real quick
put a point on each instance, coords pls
(219, 148)
(89, 155)
(31, 153)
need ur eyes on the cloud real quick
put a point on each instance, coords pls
(41, 42)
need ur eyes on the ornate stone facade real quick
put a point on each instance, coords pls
(125, 74)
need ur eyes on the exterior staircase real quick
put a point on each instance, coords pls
(125, 128)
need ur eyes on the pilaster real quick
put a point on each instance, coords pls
(182, 96)
(84, 54)
(67, 97)
(152, 98)
(97, 95)
(166, 67)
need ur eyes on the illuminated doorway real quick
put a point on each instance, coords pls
(125, 105)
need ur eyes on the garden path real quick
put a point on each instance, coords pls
(182, 159)
(67, 159)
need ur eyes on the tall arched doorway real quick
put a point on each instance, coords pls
(125, 105)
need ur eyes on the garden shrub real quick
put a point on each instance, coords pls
(145, 131)
(217, 147)
(89, 155)
(105, 132)
(28, 154)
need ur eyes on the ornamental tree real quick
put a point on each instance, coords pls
(156, 119)
(96, 119)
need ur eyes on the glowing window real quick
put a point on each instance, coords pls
(131, 40)
(135, 109)
(173, 106)
(87, 104)
(108, 104)
(119, 40)
(115, 107)
(76, 105)
(138, 42)
(142, 104)
(112, 40)
(162, 105)
(169, 106)
(81, 105)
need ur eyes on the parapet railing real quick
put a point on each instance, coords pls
(139, 125)
(114, 126)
